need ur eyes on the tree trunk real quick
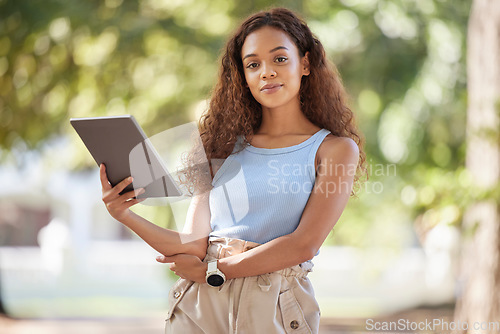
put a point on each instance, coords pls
(2, 308)
(3, 311)
(478, 304)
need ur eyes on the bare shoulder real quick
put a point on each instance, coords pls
(341, 149)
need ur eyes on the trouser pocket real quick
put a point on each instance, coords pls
(176, 293)
(294, 321)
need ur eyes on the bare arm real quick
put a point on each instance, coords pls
(193, 240)
(328, 199)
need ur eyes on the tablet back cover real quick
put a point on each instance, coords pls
(118, 141)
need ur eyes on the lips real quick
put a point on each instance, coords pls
(270, 88)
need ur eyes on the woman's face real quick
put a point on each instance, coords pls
(273, 67)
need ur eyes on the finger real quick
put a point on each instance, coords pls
(104, 177)
(132, 193)
(131, 202)
(123, 184)
(165, 259)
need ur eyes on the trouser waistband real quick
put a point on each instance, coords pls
(221, 247)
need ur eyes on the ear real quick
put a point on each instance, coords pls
(305, 64)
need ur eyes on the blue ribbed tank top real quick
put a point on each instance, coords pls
(259, 194)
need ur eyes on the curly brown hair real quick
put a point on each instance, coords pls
(234, 112)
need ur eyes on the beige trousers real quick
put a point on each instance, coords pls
(279, 302)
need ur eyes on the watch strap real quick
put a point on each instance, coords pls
(212, 266)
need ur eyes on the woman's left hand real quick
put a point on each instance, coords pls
(186, 266)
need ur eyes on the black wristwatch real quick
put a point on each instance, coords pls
(214, 277)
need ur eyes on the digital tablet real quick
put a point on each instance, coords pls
(120, 143)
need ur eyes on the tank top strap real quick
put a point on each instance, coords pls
(228, 161)
(320, 136)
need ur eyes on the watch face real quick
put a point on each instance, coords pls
(215, 280)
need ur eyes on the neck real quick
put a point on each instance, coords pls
(285, 120)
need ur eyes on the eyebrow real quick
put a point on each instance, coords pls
(270, 51)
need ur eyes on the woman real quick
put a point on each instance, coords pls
(292, 154)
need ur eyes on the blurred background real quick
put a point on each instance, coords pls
(67, 267)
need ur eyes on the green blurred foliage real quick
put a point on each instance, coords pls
(402, 61)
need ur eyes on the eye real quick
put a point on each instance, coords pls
(252, 65)
(281, 59)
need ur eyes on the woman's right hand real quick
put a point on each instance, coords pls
(116, 204)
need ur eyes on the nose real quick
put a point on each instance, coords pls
(267, 72)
